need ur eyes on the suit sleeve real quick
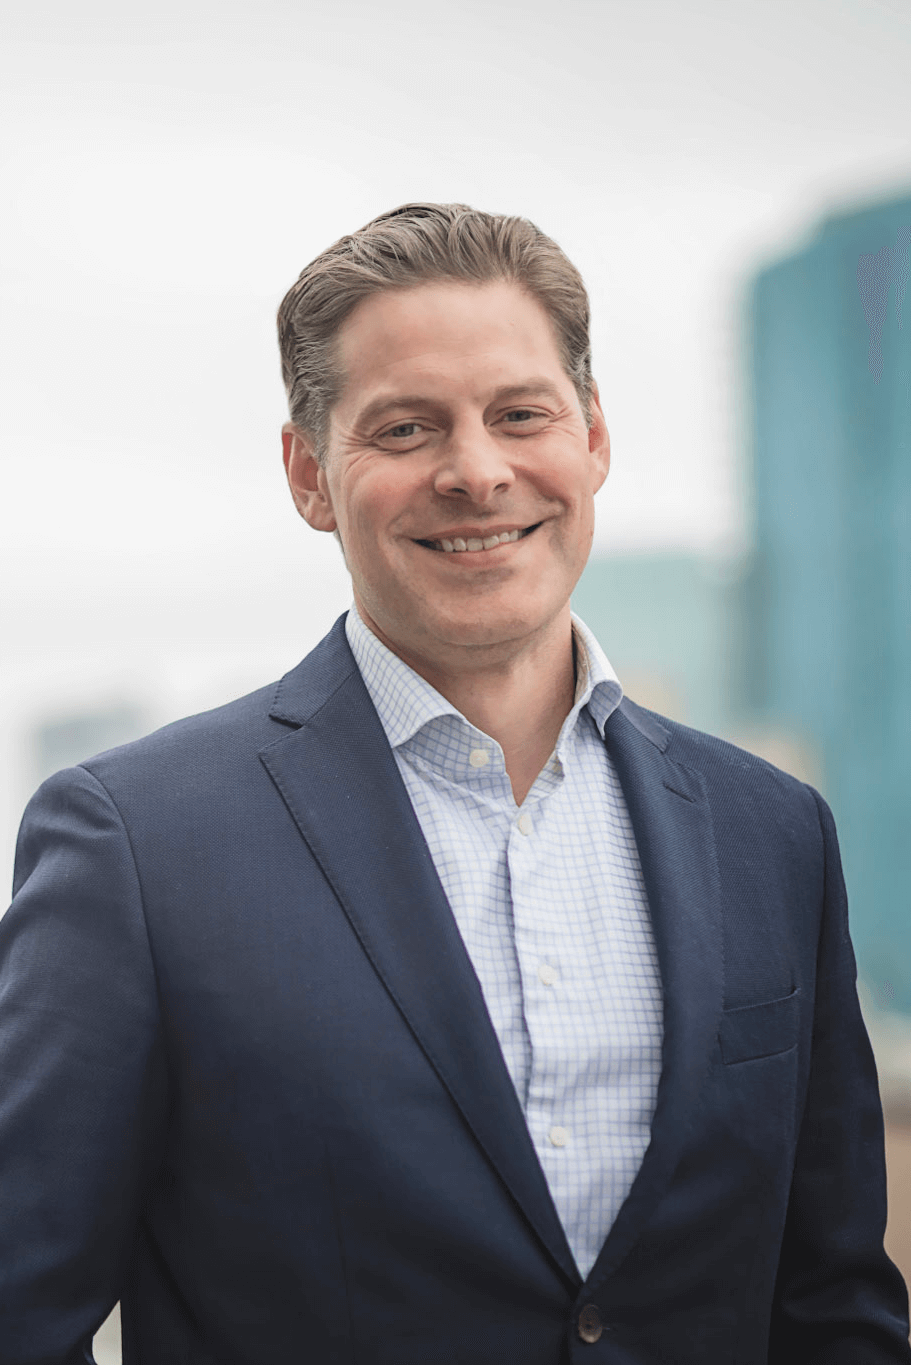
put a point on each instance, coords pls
(83, 1092)
(839, 1300)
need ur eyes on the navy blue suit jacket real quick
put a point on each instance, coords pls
(249, 1086)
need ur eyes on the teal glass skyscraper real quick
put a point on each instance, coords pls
(829, 606)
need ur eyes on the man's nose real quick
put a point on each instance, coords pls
(474, 462)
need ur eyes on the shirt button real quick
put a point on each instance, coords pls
(479, 758)
(547, 974)
(558, 1136)
(590, 1324)
(524, 823)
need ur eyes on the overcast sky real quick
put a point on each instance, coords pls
(169, 169)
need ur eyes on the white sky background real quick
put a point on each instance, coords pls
(168, 170)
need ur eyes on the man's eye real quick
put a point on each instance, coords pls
(521, 415)
(404, 430)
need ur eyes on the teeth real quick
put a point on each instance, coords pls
(475, 543)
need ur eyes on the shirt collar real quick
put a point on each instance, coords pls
(597, 685)
(405, 701)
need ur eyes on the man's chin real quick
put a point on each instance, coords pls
(445, 630)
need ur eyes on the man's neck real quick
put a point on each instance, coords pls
(524, 712)
(521, 701)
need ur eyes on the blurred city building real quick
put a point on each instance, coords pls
(828, 598)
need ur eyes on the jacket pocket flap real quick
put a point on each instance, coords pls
(759, 1030)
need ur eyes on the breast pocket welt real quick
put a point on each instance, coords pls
(753, 1031)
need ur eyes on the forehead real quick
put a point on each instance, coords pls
(446, 336)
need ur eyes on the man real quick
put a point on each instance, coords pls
(439, 1004)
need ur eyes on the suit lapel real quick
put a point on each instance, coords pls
(673, 827)
(337, 775)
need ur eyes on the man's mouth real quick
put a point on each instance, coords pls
(459, 544)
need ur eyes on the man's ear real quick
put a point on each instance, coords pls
(598, 440)
(307, 481)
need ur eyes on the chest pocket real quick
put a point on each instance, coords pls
(754, 1031)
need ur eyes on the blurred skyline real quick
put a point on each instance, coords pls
(170, 171)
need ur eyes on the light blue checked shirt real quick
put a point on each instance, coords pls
(551, 905)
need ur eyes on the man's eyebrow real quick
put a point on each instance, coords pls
(509, 393)
(531, 388)
(380, 406)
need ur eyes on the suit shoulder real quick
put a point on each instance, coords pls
(718, 760)
(210, 738)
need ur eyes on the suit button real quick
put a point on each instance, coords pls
(590, 1326)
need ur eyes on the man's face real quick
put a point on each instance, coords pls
(456, 423)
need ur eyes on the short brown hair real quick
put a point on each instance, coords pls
(408, 246)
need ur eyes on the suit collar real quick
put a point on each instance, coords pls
(305, 690)
(647, 723)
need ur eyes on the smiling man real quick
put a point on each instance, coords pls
(438, 1003)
